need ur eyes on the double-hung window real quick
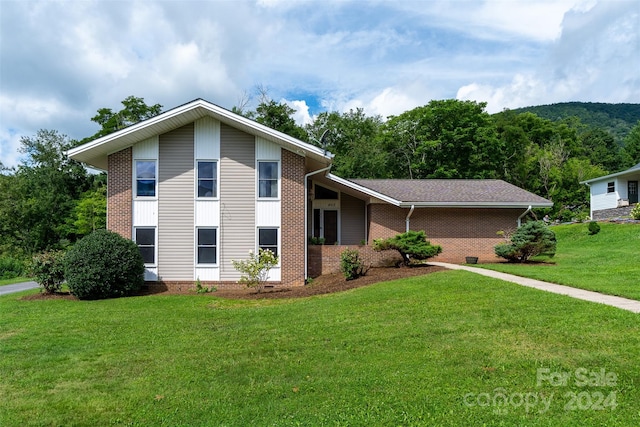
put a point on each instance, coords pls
(611, 187)
(207, 239)
(207, 178)
(145, 178)
(146, 241)
(268, 239)
(268, 179)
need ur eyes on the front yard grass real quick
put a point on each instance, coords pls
(443, 349)
(607, 262)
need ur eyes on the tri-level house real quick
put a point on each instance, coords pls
(199, 186)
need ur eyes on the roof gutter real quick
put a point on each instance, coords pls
(523, 214)
(306, 222)
(409, 216)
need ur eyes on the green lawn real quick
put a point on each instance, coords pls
(443, 349)
(607, 262)
(14, 280)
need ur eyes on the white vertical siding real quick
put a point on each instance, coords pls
(176, 247)
(207, 211)
(207, 138)
(147, 149)
(145, 212)
(268, 213)
(267, 150)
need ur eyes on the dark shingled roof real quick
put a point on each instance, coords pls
(472, 191)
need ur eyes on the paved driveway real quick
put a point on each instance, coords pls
(17, 287)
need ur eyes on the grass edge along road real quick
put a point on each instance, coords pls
(449, 348)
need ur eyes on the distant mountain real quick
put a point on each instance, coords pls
(618, 119)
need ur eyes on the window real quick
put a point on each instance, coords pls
(207, 246)
(611, 187)
(267, 179)
(207, 179)
(268, 239)
(146, 240)
(145, 178)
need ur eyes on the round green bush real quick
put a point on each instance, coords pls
(104, 264)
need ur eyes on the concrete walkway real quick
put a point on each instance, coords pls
(17, 287)
(619, 302)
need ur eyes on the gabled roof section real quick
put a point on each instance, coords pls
(449, 193)
(633, 169)
(95, 153)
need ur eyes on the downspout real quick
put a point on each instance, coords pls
(523, 214)
(409, 216)
(306, 222)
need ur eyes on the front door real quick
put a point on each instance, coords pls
(330, 227)
(632, 188)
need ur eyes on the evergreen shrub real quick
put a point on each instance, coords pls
(532, 239)
(104, 264)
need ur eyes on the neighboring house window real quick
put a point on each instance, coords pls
(268, 179)
(146, 240)
(268, 239)
(145, 178)
(207, 246)
(611, 187)
(207, 179)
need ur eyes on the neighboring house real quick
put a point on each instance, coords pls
(199, 186)
(614, 194)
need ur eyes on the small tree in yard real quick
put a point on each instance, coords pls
(255, 270)
(532, 239)
(47, 269)
(412, 245)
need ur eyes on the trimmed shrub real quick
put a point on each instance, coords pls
(351, 264)
(47, 270)
(635, 212)
(594, 228)
(532, 239)
(104, 264)
(11, 267)
(411, 245)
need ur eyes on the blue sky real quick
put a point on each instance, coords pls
(60, 61)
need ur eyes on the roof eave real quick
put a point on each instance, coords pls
(364, 190)
(95, 152)
(501, 205)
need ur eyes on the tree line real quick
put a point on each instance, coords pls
(49, 201)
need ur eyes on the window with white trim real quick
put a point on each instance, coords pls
(207, 178)
(145, 178)
(207, 242)
(611, 187)
(268, 239)
(146, 240)
(268, 179)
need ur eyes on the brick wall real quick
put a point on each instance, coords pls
(119, 196)
(292, 211)
(325, 259)
(461, 232)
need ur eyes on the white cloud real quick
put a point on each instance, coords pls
(597, 58)
(63, 60)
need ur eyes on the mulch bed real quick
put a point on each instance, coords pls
(325, 284)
